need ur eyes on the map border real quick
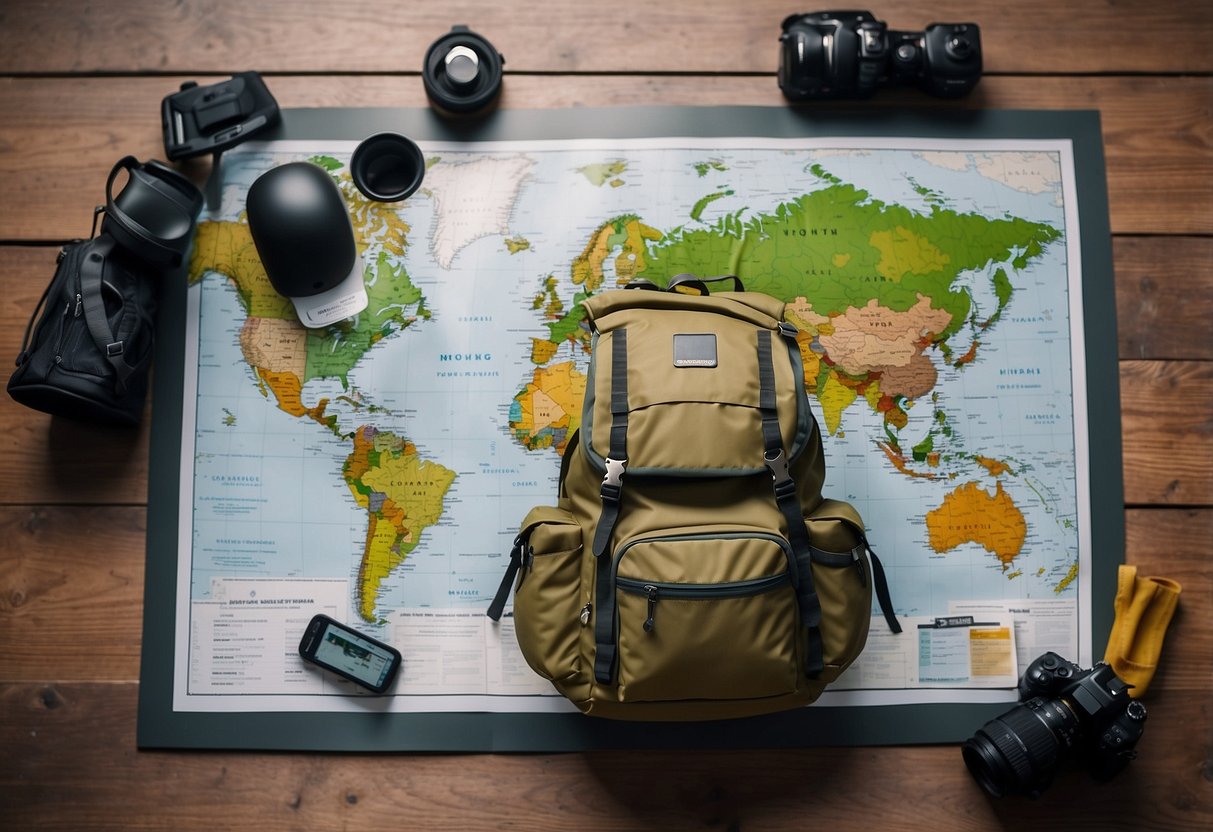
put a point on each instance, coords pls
(159, 726)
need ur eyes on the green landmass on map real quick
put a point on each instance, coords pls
(700, 205)
(401, 493)
(872, 286)
(704, 168)
(284, 354)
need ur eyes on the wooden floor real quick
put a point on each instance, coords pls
(80, 86)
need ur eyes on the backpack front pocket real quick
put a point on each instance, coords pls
(547, 599)
(706, 616)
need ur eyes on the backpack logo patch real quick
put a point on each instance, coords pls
(695, 350)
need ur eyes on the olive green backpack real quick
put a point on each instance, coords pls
(691, 568)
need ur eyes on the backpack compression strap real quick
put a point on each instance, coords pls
(785, 497)
(611, 492)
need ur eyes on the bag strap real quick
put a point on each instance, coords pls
(112, 346)
(786, 498)
(611, 493)
(497, 607)
(566, 461)
(691, 284)
(881, 585)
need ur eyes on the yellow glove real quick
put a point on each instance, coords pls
(1144, 607)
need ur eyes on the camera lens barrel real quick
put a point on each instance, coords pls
(462, 72)
(387, 167)
(1018, 752)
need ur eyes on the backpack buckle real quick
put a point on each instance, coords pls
(777, 463)
(612, 483)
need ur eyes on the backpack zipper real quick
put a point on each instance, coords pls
(732, 534)
(654, 591)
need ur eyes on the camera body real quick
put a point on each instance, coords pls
(1067, 710)
(851, 54)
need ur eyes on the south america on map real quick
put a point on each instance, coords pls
(395, 453)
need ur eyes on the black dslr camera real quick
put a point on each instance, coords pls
(1068, 710)
(850, 54)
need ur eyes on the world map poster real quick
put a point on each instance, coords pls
(377, 470)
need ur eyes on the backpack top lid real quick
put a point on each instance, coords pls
(756, 307)
(303, 233)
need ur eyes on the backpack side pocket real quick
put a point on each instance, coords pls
(548, 594)
(843, 579)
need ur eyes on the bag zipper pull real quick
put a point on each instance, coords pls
(652, 592)
(584, 617)
(79, 306)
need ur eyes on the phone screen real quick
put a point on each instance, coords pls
(350, 654)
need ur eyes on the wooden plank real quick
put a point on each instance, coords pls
(71, 764)
(1159, 162)
(1164, 297)
(1035, 36)
(70, 570)
(71, 592)
(1167, 423)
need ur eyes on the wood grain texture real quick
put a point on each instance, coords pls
(71, 592)
(1164, 297)
(1167, 420)
(105, 784)
(1158, 132)
(709, 36)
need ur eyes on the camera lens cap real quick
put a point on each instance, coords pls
(387, 167)
(462, 72)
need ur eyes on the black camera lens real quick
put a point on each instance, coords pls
(462, 72)
(1018, 752)
(387, 167)
(959, 47)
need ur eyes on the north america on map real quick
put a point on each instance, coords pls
(929, 289)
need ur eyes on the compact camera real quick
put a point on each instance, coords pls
(1068, 710)
(851, 54)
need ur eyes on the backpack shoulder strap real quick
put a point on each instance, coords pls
(92, 270)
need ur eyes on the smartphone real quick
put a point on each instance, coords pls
(350, 654)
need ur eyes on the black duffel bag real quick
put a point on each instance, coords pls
(88, 355)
